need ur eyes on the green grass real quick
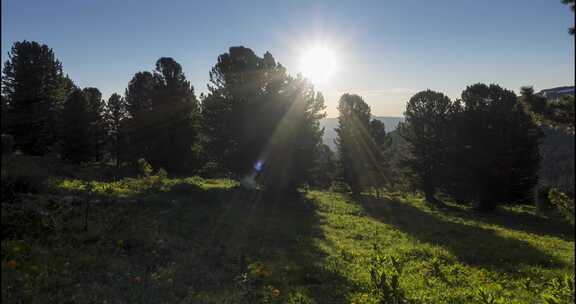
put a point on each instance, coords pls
(156, 240)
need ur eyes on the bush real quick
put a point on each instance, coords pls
(338, 186)
(543, 203)
(144, 168)
(385, 275)
(22, 174)
(213, 170)
(563, 203)
(7, 144)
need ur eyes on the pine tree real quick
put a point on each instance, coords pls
(115, 117)
(176, 119)
(428, 116)
(76, 141)
(360, 156)
(34, 89)
(260, 121)
(570, 4)
(325, 168)
(138, 96)
(234, 109)
(98, 127)
(164, 118)
(557, 114)
(500, 146)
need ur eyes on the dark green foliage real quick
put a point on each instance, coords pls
(385, 275)
(563, 203)
(558, 114)
(7, 144)
(378, 131)
(499, 142)
(22, 174)
(138, 96)
(359, 154)
(429, 116)
(33, 90)
(76, 134)
(259, 120)
(543, 203)
(97, 124)
(557, 169)
(570, 3)
(233, 111)
(482, 149)
(115, 117)
(164, 118)
(326, 168)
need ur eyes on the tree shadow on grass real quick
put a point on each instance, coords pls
(233, 229)
(518, 220)
(470, 244)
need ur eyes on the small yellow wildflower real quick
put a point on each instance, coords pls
(275, 292)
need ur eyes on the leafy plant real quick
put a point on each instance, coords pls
(144, 167)
(564, 204)
(559, 290)
(385, 275)
(484, 296)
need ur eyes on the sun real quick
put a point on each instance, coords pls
(318, 64)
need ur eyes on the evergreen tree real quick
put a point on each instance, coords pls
(115, 117)
(164, 117)
(138, 97)
(325, 169)
(558, 114)
(570, 4)
(234, 107)
(291, 153)
(359, 154)
(500, 146)
(428, 116)
(96, 107)
(175, 119)
(76, 141)
(34, 89)
(260, 121)
(382, 155)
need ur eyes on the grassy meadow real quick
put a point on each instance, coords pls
(192, 240)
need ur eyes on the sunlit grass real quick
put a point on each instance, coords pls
(207, 241)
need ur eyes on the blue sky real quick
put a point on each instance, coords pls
(386, 50)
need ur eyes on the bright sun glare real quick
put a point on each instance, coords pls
(318, 64)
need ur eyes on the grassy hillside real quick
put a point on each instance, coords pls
(159, 240)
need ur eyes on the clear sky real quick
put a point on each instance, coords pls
(385, 50)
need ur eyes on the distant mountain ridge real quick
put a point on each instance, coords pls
(330, 125)
(555, 93)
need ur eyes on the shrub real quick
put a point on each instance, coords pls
(543, 203)
(7, 144)
(213, 170)
(144, 168)
(559, 290)
(385, 275)
(22, 174)
(563, 203)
